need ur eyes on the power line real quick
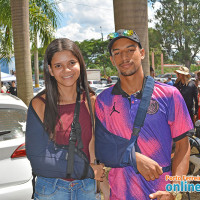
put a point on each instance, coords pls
(79, 4)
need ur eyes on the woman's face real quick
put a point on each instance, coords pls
(65, 68)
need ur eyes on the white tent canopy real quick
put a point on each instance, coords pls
(7, 77)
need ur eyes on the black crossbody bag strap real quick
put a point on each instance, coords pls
(75, 135)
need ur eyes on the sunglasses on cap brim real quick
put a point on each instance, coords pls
(124, 33)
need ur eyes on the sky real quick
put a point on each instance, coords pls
(88, 19)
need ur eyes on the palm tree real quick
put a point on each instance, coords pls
(20, 26)
(44, 17)
(129, 14)
(43, 21)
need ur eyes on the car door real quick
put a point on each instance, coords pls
(15, 168)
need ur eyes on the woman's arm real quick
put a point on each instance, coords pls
(104, 185)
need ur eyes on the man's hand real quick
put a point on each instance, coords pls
(99, 171)
(162, 195)
(147, 167)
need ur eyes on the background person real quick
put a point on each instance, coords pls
(64, 71)
(152, 73)
(167, 119)
(13, 89)
(109, 80)
(169, 81)
(188, 90)
(3, 88)
(197, 81)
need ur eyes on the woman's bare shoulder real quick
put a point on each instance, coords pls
(39, 106)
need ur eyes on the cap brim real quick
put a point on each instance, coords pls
(117, 38)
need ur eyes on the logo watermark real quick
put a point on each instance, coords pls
(183, 184)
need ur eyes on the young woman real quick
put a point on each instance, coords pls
(65, 76)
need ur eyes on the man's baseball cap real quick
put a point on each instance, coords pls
(122, 33)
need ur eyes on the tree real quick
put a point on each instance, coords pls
(179, 23)
(155, 46)
(20, 26)
(129, 14)
(96, 56)
(6, 42)
(44, 17)
(43, 21)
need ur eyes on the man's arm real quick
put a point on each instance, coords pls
(180, 166)
(181, 158)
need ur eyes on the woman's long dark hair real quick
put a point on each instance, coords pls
(52, 94)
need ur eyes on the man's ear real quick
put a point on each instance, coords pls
(142, 52)
(50, 70)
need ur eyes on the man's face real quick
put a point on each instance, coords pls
(126, 56)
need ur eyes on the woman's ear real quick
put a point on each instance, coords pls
(50, 70)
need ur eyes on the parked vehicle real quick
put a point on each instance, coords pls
(36, 90)
(94, 88)
(114, 79)
(163, 77)
(95, 83)
(194, 168)
(99, 90)
(15, 169)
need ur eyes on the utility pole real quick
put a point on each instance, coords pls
(104, 69)
(101, 34)
(162, 64)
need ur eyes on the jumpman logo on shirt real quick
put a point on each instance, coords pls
(114, 110)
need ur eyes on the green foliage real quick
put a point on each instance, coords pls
(96, 56)
(179, 23)
(43, 17)
(6, 42)
(155, 45)
(194, 68)
(40, 59)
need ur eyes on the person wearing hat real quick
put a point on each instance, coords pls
(197, 81)
(188, 90)
(167, 120)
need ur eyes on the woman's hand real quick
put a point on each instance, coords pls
(99, 171)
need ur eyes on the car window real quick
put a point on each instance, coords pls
(114, 78)
(12, 123)
(174, 76)
(96, 82)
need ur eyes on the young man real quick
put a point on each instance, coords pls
(167, 120)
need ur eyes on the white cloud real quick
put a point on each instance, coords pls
(76, 32)
(82, 19)
(151, 12)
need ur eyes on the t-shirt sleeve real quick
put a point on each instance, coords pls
(178, 116)
(99, 111)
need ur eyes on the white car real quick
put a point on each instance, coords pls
(15, 168)
(99, 90)
(95, 83)
(37, 90)
(114, 79)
